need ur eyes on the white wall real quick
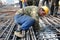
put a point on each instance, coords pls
(4, 1)
(9, 1)
(16, 1)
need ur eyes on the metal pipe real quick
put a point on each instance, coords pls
(56, 18)
(28, 35)
(50, 37)
(42, 23)
(45, 20)
(5, 24)
(14, 37)
(5, 29)
(32, 34)
(9, 32)
(52, 21)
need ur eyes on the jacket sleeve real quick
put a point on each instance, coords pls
(20, 11)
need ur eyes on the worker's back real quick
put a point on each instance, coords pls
(33, 12)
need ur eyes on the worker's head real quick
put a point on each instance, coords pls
(43, 11)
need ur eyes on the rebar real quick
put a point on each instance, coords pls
(14, 37)
(4, 24)
(28, 35)
(42, 23)
(49, 29)
(32, 34)
(9, 32)
(5, 29)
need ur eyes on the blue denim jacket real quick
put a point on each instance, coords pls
(24, 20)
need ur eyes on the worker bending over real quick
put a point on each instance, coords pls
(27, 17)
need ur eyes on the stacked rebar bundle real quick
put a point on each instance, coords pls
(7, 31)
(49, 29)
(29, 35)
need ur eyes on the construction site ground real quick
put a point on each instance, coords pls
(7, 26)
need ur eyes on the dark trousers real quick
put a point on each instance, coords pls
(29, 3)
(47, 2)
(20, 3)
(54, 8)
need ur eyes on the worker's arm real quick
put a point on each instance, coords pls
(26, 10)
(20, 11)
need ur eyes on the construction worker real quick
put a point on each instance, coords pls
(22, 3)
(54, 7)
(27, 17)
